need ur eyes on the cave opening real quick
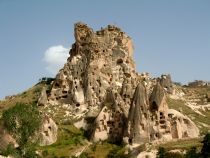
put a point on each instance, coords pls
(154, 106)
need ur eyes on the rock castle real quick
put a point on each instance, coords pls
(100, 83)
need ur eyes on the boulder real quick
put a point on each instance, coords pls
(6, 138)
(148, 154)
(43, 97)
(48, 132)
(181, 125)
(166, 83)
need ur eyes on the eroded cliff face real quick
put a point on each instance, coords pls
(99, 81)
(97, 62)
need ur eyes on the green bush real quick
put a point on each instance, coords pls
(47, 80)
(205, 151)
(85, 155)
(22, 121)
(93, 147)
(192, 153)
(117, 152)
(161, 152)
(45, 153)
(30, 152)
(10, 150)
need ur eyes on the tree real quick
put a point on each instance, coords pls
(205, 151)
(46, 80)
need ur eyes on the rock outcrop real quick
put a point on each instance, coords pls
(110, 122)
(166, 83)
(48, 132)
(159, 114)
(5, 156)
(43, 97)
(97, 62)
(99, 81)
(6, 138)
(181, 125)
(139, 118)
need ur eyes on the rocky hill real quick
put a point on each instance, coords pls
(99, 97)
(99, 80)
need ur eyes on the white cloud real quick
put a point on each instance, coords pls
(55, 57)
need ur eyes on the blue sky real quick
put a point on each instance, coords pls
(170, 36)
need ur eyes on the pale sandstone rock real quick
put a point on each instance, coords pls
(182, 126)
(5, 156)
(48, 132)
(160, 126)
(81, 124)
(138, 120)
(101, 133)
(6, 138)
(166, 83)
(100, 83)
(47, 135)
(97, 61)
(43, 97)
(148, 154)
(110, 122)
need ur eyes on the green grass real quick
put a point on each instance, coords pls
(105, 150)
(69, 140)
(183, 144)
(29, 96)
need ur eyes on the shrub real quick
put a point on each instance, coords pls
(22, 121)
(192, 153)
(30, 152)
(93, 147)
(85, 155)
(161, 152)
(47, 80)
(205, 151)
(10, 150)
(177, 83)
(45, 153)
(117, 152)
